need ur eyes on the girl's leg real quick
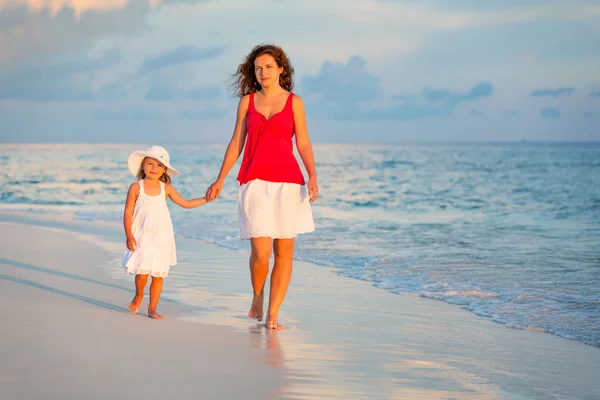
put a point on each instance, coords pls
(280, 279)
(259, 269)
(155, 291)
(140, 284)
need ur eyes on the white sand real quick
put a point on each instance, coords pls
(343, 337)
(67, 334)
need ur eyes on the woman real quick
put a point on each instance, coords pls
(274, 199)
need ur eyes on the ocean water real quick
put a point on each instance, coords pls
(510, 232)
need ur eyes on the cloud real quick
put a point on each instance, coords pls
(160, 90)
(411, 110)
(551, 92)
(588, 114)
(129, 114)
(595, 93)
(340, 88)
(161, 80)
(113, 90)
(449, 100)
(510, 113)
(349, 92)
(207, 114)
(27, 35)
(180, 55)
(455, 15)
(549, 112)
(55, 81)
(477, 113)
(433, 102)
(80, 7)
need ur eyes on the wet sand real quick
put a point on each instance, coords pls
(67, 333)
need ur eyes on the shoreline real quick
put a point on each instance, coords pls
(113, 228)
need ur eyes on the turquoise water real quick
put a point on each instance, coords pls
(510, 232)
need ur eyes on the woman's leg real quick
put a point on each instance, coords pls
(140, 284)
(280, 279)
(259, 269)
(155, 291)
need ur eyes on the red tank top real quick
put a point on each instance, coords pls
(269, 152)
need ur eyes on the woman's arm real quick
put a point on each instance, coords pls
(182, 201)
(234, 149)
(132, 195)
(305, 147)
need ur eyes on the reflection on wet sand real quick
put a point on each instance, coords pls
(344, 339)
(345, 371)
(267, 339)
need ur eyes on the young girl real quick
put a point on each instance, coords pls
(274, 199)
(148, 226)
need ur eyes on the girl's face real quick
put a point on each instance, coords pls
(266, 70)
(153, 168)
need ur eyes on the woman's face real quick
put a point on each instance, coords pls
(266, 70)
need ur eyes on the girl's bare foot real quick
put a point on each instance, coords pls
(154, 315)
(134, 306)
(256, 309)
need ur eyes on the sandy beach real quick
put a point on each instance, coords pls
(68, 334)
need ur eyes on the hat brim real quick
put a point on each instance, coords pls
(135, 160)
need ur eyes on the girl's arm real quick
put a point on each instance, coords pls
(182, 201)
(304, 146)
(234, 149)
(132, 195)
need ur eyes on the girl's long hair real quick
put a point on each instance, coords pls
(141, 174)
(245, 79)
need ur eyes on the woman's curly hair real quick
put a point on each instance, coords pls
(245, 79)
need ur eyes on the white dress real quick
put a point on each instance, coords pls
(279, 210)
(152, 229)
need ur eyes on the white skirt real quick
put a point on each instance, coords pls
(278, 210)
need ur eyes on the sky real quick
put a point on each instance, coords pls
(369, 71)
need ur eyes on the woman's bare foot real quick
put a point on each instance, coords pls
(271, 323)
(256, 309)
(134, 306)
(154, 315)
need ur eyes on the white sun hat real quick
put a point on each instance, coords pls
(160, 153)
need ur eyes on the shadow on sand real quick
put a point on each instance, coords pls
(62, 292)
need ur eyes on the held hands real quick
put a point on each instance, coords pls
(214, 190)
(131, 243)
(313, 189)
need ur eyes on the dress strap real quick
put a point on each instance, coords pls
(141, 183)
(251, 102)
(288, 102)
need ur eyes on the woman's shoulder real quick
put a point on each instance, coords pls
(245, 99)
(297, 102)
(244, 103)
